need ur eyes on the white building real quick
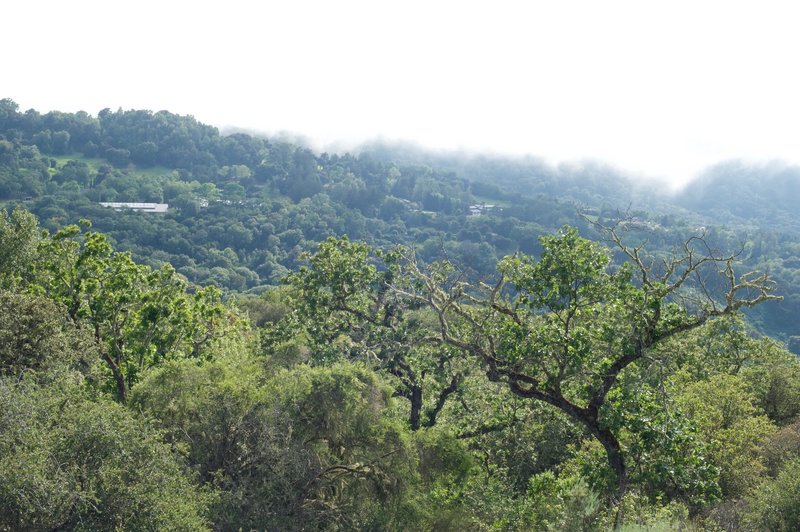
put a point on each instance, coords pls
(141, 207)
(480, 209)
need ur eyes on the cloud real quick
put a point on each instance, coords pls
(659, 90)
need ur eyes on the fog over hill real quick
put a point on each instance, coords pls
(736, 191)
(740, 188)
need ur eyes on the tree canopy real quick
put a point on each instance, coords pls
(388, 340)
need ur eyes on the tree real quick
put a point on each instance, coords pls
(77, 171)
(728, 419)
(344, 310)
(34, 337)
(145, 153)
(233, 192)
(60, 142)
(9, 114)
(138, 316)
(564, 328)
(19, 237)
(119, 157)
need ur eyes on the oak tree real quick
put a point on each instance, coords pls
(563, 328)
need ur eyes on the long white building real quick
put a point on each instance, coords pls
(141, 207)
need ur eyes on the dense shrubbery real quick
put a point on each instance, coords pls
(349, 406)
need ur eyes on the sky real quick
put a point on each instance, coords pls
(658, 89)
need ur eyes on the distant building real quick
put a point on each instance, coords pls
(636, 223)
(480, 209)
(141, 207)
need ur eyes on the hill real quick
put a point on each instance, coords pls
(244, 209)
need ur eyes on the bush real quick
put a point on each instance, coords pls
(70, 463)
(774, 504)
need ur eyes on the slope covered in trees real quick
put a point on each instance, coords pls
(389, 340)
(243, 209)
(375, 391)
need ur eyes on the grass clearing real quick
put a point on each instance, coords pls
(94, 163)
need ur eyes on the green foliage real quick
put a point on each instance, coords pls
(773, 505)
(34, 337)
(67, 462)
(549, 502)
(667, 456)
(626, 384)
(580, 315)
(728, 420)
(138, 316)
(344, 308)
(571, 268)
(304, 448)
(201, 407)
(774, 380)
(19, 238)
(339, 277)
(639, 514)
(567, 331)
(268, 308)
(782, 446)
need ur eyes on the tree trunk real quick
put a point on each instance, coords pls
(119, 378)
(615, 460)
(416, 406)
(617, 463)
(589, 417)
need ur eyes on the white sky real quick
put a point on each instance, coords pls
(657, 88)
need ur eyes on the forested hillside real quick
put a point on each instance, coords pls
(243, 209)
(388, 340)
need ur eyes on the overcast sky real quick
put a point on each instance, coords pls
(660, 89)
